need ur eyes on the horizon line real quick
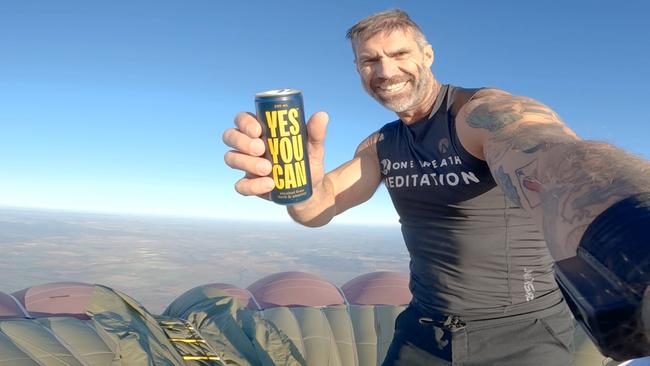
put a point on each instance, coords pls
(166, 215)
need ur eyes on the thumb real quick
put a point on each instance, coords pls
(316, 130)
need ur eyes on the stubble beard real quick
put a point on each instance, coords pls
(407, 100)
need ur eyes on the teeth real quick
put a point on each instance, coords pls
(393, 87)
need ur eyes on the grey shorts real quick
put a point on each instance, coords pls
(540, 338)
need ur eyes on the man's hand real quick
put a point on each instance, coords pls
(348, 185)
(248, 154)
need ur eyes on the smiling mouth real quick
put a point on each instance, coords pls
(386, 88)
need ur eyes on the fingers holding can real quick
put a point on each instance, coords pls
(246, 137)
(256, 181)
(251, 165)
(248, 124)
(247, 155)
(255, 186)
(272, 150)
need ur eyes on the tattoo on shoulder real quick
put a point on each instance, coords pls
(499, 111)
(486, 117)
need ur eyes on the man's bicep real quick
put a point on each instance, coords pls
(529, 151)
(357, 180)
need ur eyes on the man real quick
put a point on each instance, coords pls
(474, 176)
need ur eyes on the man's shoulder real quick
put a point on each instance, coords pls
(488, 99)
(477, 93)
(459, 96)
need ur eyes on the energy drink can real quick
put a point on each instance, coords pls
(281, 114)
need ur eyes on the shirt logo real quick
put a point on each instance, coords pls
(385, 166)
(429, 173)
(443, 145)
(529, 288)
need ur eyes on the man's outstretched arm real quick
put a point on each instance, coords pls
(590, 199)
(563, 181)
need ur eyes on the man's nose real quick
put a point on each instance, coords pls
(386, 68)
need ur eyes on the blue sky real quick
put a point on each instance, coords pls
(119, 106)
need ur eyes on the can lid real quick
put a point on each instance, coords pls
(277, 93)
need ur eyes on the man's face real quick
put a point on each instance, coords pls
(394, 70)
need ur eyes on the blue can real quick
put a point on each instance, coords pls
(281, 114)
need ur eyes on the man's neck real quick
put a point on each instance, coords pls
(423, 109)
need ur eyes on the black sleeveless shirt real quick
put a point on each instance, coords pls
(473, 252)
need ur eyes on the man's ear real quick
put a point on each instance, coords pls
(429, 55)
(356, 65)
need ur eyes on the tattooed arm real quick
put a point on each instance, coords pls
(542, 166)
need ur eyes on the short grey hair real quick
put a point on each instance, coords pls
(386, 21)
